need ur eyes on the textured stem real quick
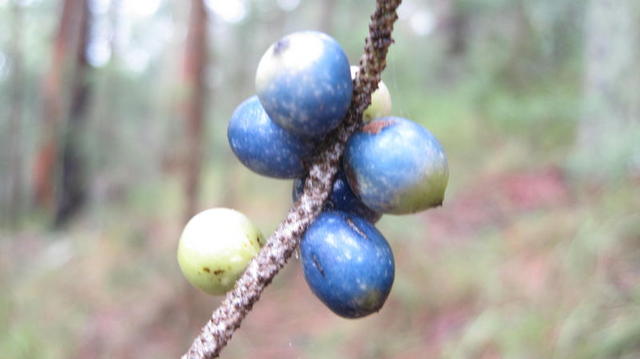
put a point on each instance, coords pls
(322, 170)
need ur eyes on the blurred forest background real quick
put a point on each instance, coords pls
(113, 131)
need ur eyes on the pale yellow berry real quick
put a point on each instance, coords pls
(215, 248)
(380, 100)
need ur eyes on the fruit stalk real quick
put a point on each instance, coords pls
(322, 170)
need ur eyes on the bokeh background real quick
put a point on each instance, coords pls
(113, 131)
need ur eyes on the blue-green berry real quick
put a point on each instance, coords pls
(396, 166)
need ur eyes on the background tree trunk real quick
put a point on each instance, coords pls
(453, 25)
(58, 172)
(194, 79)
(73, 183)
(15, 147)
(610, 125)
(456, 24)
(54, 97)
(327, 14)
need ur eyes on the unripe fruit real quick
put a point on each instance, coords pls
(340, 199)
(396, 166)
(380, 100)
(303, 82)
(347, 263)
(263, 146)
(215, 248)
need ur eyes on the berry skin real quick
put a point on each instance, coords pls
(396, 166)
(304, 83)
(215, 248)
(347, 264)
(340, 199)
(380, 100)
(263, 146)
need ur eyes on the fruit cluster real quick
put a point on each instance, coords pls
(390, 165)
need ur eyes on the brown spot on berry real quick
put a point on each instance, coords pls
(206, 269)
(355, 228)
(374, 127)
(316, 263)
(218, 272)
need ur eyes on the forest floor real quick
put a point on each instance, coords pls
(524, 260)
(518, 264)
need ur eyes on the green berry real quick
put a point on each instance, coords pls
(394, 165)
(380, 100)
(215, 248)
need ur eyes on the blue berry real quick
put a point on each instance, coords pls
(304, 83)
(347, 263)
(396, 166)
(263, 146)
(340, 199)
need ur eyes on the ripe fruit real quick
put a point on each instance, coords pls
(380, 100)
(347, 263)
(304, 83)
(215, 248)
(396, 166)
(263, 146)
(340, 199)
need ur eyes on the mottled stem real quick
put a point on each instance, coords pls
(322, 170)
